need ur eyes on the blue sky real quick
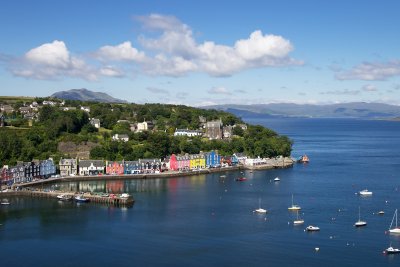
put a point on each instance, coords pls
(203, 52)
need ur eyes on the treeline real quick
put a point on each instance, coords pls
(54, 125)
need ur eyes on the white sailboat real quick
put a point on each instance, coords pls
(260, 210)
(294, 207)
(298, 220)
(396, 229)
(359, 223)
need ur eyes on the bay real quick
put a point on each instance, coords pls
(209, 221)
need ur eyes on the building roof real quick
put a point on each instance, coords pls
(87, 163)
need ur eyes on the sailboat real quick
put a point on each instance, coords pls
(359, 223)
(260, 210)
(395, 230)
(298, 220)
(294, 207)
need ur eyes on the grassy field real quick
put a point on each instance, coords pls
(13, 99)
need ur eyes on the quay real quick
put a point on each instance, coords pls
(270, 164)
(114, 200)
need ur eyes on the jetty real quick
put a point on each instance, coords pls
(112, 199)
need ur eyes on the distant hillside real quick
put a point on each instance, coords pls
(344, 110)
(86, 95)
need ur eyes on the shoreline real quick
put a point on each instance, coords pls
(168, 174)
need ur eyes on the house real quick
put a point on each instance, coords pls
(25, 110)
(47, 168)
(255, 161)
(120, 137)
(5, 175)
(95, 122)
(17, 173)
(68, 167)
(91, 167)
(68, 108)
(214, 129)
(31, 170)
(150, 165)
(197, 161)
(145, 126)
(240, 158)
(187, 132)
(227, 131)
(115, 168)
(48, 103)
(7, 109)
(172, 163)
(86, 109)
(183, 162)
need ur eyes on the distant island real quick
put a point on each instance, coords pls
(360, 110)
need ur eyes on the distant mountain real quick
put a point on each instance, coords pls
(86, 95)
(344, 110)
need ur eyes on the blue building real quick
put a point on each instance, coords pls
(213, 159)
(47, 168)
(132, 167)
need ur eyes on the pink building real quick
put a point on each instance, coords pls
(115, 168)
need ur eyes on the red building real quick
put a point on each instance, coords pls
(115, 168)
(5, 175)
(173, 163)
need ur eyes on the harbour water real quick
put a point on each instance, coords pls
(207, 220)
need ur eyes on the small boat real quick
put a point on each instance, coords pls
(222, 176)
(294, 207)
(5, 202)
(125, 195)
(303, 159)
(277, 179)
(381, 212)
(312, 228)
(81, 198)
(359, 223)
(64, 197)
(260, 210)
(365, 192)
(396, 229)
(241, 179)
(391, 250)
(298, 220)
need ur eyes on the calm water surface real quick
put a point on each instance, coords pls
(209, 221)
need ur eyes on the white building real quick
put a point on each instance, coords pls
(91, 167)
(95, 122)
(186, 132)
(145, 126)
(120, 137)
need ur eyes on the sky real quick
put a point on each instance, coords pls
(203, 52)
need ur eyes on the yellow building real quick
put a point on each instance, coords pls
(197, 161)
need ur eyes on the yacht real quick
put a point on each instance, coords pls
(395, 229)
(359, 223)
(312, 228)
(294, 207)
(365, 192)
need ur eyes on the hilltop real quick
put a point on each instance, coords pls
(86, 95)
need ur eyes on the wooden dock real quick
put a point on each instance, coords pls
(114, 200)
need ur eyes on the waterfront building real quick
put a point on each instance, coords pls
(68, 167)
(172, 163)
(31, 170)
(255, 161)
(115, 168)
(132, 167)
(91, 167)
(240, 158)
(213, 159)
(5, 175)
(17, 173)
(197, 161)
(183, 162)
(150, 165)
(47, 168)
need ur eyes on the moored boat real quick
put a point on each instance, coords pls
(312, 228)
(81, 198)
(391, 250)
(260, 210)
(63, 197)
(277, 179)
(303, 159)
(294, 207)
(395, 229)
(125, 195)
(241, 179)
(365, 192)
(298, 220)
(360, 223)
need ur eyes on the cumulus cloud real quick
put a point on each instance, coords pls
(155, 90)
(120, 52)
(51, 61)
(219, 91)
(370, 71)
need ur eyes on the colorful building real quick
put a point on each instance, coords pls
(213, 159)
(68, 167)
(47, 168)
(91, 167)
(183, 162)
(197, 161)
(115, 168)
(173, 163)
(132, 167)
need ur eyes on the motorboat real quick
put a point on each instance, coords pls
(222, 176)
(81, 198)
(359, 223)
(63, 197)
(298, 220)
(395, 229)
(125, 195)
(5, 202)
(312, 228)
(277, 179)
(260, 210)
(381, 212)
(241, 179)
(303, 159)
(365, 192)
(294, 207)
(391, 250)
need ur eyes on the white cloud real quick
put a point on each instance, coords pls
(341, 92)
(157, 90)
(111, 71)
(219, 91)
(369, 88)
(371, 71)
(120, 52)
(53, 54)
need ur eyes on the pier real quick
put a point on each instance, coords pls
(114, 200)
